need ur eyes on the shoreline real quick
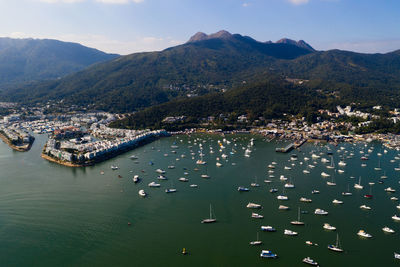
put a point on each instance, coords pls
(24, 148)
(64, 163)
(98, 160)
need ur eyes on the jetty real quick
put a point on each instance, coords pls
(285, 149)
(291, 146)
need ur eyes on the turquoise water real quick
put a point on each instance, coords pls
(51, 215)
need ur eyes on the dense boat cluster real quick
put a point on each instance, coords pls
(322, 156)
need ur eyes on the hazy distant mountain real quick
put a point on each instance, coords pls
(23, 60)
(220, 60)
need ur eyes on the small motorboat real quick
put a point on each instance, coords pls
(310, 261)
(170, 190)
(329, 227)
(365, 207)
(253, 206)
(311, 243)
(306, 200)
(290, 232)
(390, 190)
(396, 218)
(362, 233)
(320, 212)
(136, 179)
(242, 189)
(388, 230)
(282, 197)
(142, 193)
(268, 228)
(256, 215)
(154, 184)
(336, 201)
(268, 254)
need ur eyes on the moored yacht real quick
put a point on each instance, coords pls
(362, 233)
(388, 230)
(256, 215)
(268, 228)
(268, 254)
(336, 201)
(320, 212)
(329, 227)
(282, 197)
(242, 189)
(324, 174)
(136, 179)
(307, 200)
(396, 218)
(154, 184)
(390, 190)
(290, 232)
(336, 247)
(310, 261)
(365, 207)
(253, 206)
(142, 193)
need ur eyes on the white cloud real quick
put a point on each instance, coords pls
(245, 4)
(298, 2)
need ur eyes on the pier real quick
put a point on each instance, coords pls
(291, 146)
(286, 149)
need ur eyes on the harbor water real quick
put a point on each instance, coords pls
(52, 215)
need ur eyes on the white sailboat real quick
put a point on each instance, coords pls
(298, 222)
(336, 247)
(211, 219)
(358, 186)
(257, 242)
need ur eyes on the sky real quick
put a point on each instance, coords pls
(128, 26)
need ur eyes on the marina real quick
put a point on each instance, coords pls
(118, 217)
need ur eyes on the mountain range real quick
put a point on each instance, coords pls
(216, 63)
(26, 60)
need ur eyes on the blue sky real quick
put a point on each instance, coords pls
(127, 26)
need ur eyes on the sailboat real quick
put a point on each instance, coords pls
(201, 161)
(255, 184)
(331, 183)
(348, 193)
(370, 194)
(337, 246)
(332, 164)
(379, 166)
(298, 222)
(209, 220)
(358, 186)
(257, 242)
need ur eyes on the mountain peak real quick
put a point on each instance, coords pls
(200, 36)
(300, 43)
